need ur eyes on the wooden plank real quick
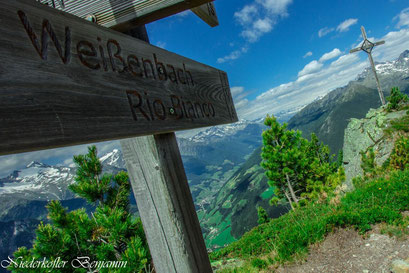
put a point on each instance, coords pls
(165, 204)
(87, 83)
(207, 12)
(123, 15)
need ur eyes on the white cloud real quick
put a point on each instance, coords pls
(403, 18)
(239, 97)
(263, 25)
(330, 55)
(312, 67)
(395, 43)
(245, 15)
(308, 54)
(257, 19)
(276, 7)
(344, 26)
(232, 56)
(317, 79)
(345, 60)
(324, 31)
(258, 29)
(236, 90)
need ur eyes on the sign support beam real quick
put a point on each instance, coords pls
(165, 204)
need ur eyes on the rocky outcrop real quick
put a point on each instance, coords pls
(361, 134)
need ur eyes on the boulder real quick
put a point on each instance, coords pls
(362, 134)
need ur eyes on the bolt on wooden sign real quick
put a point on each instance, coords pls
(66, 81)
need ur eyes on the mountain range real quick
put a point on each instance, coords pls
(209, 156)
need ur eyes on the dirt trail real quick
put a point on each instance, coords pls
(347, 251)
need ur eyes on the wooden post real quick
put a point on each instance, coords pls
(164, 200)
(367, 46)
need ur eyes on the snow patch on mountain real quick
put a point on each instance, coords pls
(220, 131)
(39, 181)
(114, 159)
(400, 65)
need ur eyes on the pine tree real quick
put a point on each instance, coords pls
(110, 233)
(299, 169)
(396, 100)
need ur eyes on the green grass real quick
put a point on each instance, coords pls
(287, 237)
(401, 124)
(267, 194)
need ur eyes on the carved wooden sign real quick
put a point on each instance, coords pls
(66, 81)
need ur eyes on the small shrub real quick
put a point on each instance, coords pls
(368, 163)
(262, 215)
(259, 263)
(399, 159)
(396, 100)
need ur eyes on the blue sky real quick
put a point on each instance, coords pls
(279, 54)
(267, 46)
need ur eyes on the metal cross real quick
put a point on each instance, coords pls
(367, 46)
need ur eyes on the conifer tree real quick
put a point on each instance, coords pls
(298, 169)
(396, 100)
(110, 233)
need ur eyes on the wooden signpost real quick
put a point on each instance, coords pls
(124, 14)
(207, 13)
(66, 81)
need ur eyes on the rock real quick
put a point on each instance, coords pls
(361, 134)
(399, 266)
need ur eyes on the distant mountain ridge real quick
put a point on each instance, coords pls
(25, 192)
(329, 116)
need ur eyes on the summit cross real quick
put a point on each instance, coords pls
(367, 46)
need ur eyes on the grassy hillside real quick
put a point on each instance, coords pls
(381, 195)
(288, 237)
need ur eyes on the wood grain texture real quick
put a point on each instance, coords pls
(207, 12)
(165, 204)
(73, 82)
(121, 14)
